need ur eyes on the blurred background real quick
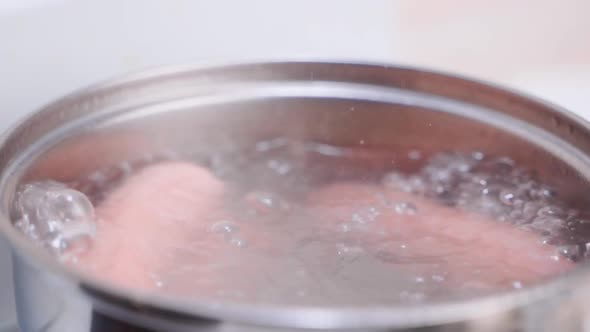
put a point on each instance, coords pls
(50, 47)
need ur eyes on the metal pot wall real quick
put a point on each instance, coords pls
(201, 108)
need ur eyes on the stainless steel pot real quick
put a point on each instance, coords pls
(205, 108)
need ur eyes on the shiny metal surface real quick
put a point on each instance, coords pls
(7, 314)
(220, 106)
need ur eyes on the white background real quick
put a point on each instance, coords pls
(50, 47)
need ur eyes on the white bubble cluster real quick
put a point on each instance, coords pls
(495, 187)
(54, 215)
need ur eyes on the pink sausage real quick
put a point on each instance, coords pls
(472, 248)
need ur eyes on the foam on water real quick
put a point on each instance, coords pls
(358, 259)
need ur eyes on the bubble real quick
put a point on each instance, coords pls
(262, 202)
(383, 201)
(405, 208)
(157, 280)
(126, 168)
(440, 175)
(547, 225)
(516, 216)
(517, 285)
(415, 155)
(530, 209)
(54, 214)
(507, 197)
(410, 184)
(225, 227)
(229, 231)
(98, 177)
(237, 242)
(569, 251)
(540, 193)
(397, 181)
(437, 278)
(419, 280)
(445, 171)
(503, 165)
(485, 204)
(272, 144)
(220, 164)
(478, 155)
(345, 228)
(325, 149)
(573, 215)
(417, 184)
(365, 215)
(518, 203)
(479, 180)
(349, 252)
(550, 211)
(280, 167)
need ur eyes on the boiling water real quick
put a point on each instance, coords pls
(310, 223)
